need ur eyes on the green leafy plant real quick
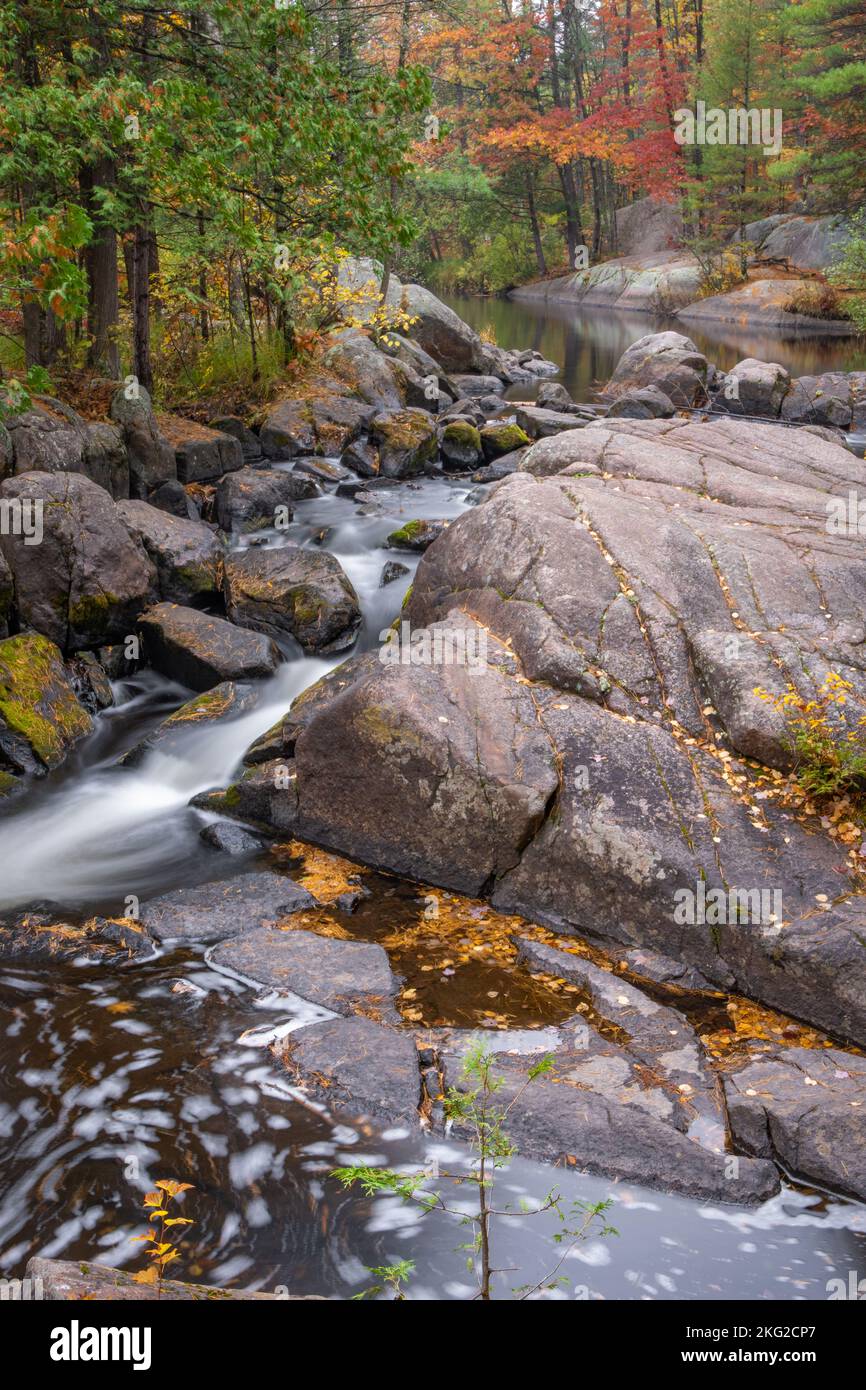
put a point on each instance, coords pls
(473, 1107)
(831, 757)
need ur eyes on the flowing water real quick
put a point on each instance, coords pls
(110, 1078)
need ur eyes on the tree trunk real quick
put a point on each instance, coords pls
(142, 366)
(100, 263)
(533, 222)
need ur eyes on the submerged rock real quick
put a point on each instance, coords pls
(101, 941)
(357, 1066)
(229, 907)
(807, 1110)
(345, 976)
(223, 702)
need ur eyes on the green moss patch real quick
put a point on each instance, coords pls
(36, 698)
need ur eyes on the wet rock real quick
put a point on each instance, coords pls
(151, 455)
(7, 591)
(231, 839)
(473, 385)
(291, 592)
(200, 651)
(88, 579)
(415, 535)
(500, 468)
(345, 976)
(643, 403)
(223, 702)
(406, 442)
(63, 1281)
(287, 431)
(552, 395)
(460, 445)
(41, 718)
(100, 941)
(538, 424)
(357, 1066)
(561, 1121)
(659, 1038)
(228, 908)
(201, 454)
(502, 439)
(819, 400)
(187, 554)
(264, 796)
(323, 470)
(668, 361)
(392, 571)
(807, 1110)
(325, 421)
(661, 970)
(362, 457)
(753, 388)
(90, 681)
(255, 498)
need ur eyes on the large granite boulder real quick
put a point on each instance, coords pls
(583, 774)
(187, 554)
(753, 387)
(406, 440)
(86, 582)
(291, 592)
(820, 400)
(200, 651)
(667, 361)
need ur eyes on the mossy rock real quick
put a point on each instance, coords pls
(460, 445)
(415, 535)
(497, 440)
(37, 701)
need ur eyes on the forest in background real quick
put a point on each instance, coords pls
(179, 184)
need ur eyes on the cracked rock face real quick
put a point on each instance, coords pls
(578, 778)
(807, 1110)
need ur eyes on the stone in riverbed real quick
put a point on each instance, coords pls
(460, 445)
(807, 1109)
(100, 941)
(753, 388)
(393, 570)
(416, 535)
(229, 838)
(552, 395)
(344, 976)
(254, 498)
(88, 580)
(357, 1066)
(538, 424)
(291, 592)
(500, 439)
(227, 908)
(41, 718)
(820, 400)
(187, 554)
(250, 443)
(200, 651)
(558, 1121)
(223, 702)
(406, 441)
(643, 403)
(668, 361)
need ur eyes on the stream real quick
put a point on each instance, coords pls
(111, 1079)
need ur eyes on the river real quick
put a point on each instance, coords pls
(110, 1079)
